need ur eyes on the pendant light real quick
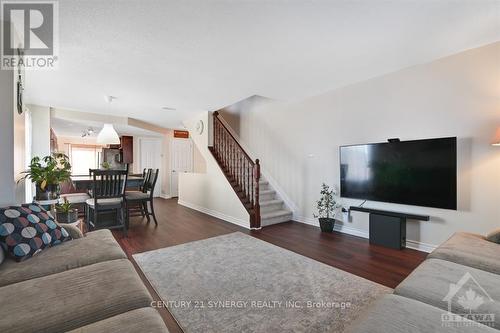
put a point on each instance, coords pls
(108, 135)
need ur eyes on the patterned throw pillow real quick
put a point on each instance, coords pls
(28, 229)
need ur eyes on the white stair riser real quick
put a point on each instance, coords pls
(276, 220)
(270, 208)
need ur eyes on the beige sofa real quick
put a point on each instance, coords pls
(83, 285)
(423, 302)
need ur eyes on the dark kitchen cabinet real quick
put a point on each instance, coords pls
(127, 149)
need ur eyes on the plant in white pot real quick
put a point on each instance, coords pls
(328, 207)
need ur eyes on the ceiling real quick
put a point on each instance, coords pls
(207, 54)
(63, 127)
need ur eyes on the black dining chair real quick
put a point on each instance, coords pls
(108, 195)
(137, 206)
(143, 198)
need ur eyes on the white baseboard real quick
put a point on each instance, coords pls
(424, 247)
(165, 196)
(411, 244)
(219, 215)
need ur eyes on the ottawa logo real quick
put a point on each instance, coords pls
(467, 304)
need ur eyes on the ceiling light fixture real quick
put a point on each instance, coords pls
(168, 108)
(88, 132)
(108, 136)
(109, 99)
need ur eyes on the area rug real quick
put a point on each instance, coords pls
(237, 283)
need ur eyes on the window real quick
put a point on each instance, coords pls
(83, 158)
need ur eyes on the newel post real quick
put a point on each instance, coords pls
(256, 176)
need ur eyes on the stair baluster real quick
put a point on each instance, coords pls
(240, 170)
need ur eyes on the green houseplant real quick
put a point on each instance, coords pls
(327, 207)
(47, 173)
(66, 213)
(106, 165)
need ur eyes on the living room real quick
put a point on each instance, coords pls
(254, 166)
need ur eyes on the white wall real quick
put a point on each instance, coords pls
(7, 97)
(454, 96)
(40, 119)
(20, 155)
(210, 192)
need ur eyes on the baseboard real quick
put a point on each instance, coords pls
(424, 247)
(219, 215)
(165, 196)
(411, 244)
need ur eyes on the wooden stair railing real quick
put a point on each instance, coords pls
(241, 171)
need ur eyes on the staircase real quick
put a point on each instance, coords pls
(272, 208)
(255, 193)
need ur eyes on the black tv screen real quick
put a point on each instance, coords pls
(419, 172)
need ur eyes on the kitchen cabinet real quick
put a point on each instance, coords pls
(127, 149)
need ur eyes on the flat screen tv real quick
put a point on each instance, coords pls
(419, 172)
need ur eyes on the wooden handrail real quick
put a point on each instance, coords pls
(217, 116)
(240, 170)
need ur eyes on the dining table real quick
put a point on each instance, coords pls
(84, 182)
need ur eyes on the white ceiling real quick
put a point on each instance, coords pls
(206, 54)
(63, 127)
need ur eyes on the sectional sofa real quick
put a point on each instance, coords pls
(83, 285)
(428, 299)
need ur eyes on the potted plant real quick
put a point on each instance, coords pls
(327, 207)
(106, 165)
(47, 173)
(66, 213)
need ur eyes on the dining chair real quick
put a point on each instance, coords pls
(144, 197)
(108, 194)
(137, 206)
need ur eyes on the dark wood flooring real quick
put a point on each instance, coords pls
(178, 225)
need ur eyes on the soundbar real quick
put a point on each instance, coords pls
(389, 213)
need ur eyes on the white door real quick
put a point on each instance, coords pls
(181, 157)
(150, 157)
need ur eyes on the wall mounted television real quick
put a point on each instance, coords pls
(418, 172)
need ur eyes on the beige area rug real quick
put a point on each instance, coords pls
(237, 283)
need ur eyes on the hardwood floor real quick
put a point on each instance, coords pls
(178, 225)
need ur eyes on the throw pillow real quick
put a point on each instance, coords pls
(28, 229)
(494, 236)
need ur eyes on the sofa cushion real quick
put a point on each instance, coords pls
(28, 229)
(72, 299)
(470, 250)
(395, 314)
(446, 285)
(96, 246)
(140, 320)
